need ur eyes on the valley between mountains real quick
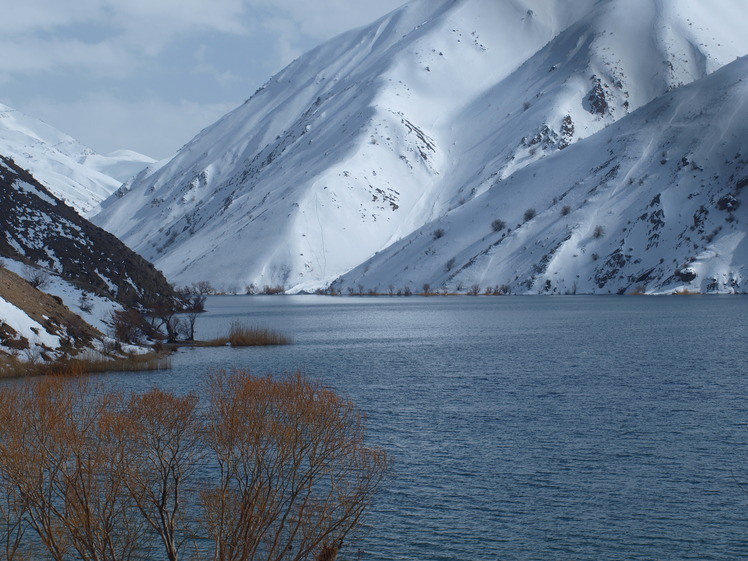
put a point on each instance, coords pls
(471, 146)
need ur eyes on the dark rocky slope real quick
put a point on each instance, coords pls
(38, 228)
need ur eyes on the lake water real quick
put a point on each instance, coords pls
(526, 427)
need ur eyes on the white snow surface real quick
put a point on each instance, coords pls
(654, 203)
(71, 171)
(27, 327)
(451, 114)
(93, 309)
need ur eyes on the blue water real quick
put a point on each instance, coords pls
(526, 427)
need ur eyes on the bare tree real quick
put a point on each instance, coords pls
(102, 519)
(195, 297)
(62, 459)
(126, 325)
(271, 469)
(162, 315)
(33, 458)
(13, 506)
(162, 435)
(295, 472)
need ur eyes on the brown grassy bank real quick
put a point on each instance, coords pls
(11, 367)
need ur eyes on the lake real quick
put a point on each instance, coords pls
(525, 427)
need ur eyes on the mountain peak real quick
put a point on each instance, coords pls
(383, 130)
(73, 172)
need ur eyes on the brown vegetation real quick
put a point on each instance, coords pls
(266, 469)
(44, 309)
(91, 363)
(241, 335)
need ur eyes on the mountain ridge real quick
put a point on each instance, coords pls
(76, 276)
(381, 131)
(653, 203)
(73, 172)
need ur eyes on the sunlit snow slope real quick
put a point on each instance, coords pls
(368, 139)
(74, 173)
(654, 203)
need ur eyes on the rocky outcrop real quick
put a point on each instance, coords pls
(38, 228)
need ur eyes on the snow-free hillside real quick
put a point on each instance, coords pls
(385, 129)
(72, 172)
(654, 203)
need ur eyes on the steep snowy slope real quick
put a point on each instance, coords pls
(37, 228)
(382, 130)
(656, 202)
(61, 278)
(74, 173)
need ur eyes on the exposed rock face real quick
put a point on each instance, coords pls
(37, 227)
(597, 101)
(687, 274)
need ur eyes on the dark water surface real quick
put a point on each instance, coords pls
(526, 427)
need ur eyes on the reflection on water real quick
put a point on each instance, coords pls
(525, 427)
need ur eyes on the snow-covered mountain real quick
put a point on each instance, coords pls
(77, 274)
(437, 111)
(73, 172)
(41, 230)
(656, 202)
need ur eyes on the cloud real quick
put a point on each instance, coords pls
(224, 16)
(153, 127)
(54, 55)
(298, 25)
(171, 16)
(33, 15)
(115, 37)
(323, 19)
(164, 68)
(47, 33)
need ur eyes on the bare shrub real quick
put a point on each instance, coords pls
(127, 325)
(565, 210)
(36, 277)
(272, 290)
(85, 303)
(438, 233)
(295, 472)
(498, 225)
(529, 214)
(598, 232)
(267, 469)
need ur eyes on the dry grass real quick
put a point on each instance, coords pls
(241, 335)
(11, 367)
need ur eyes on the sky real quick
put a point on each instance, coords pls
(148, 75)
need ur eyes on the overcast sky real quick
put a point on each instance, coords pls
(150, 74)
